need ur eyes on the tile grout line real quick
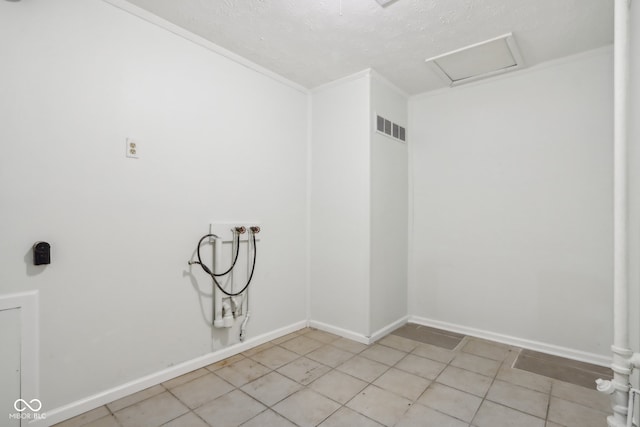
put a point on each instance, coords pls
(455, 352)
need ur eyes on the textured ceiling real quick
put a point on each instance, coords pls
(313, 42)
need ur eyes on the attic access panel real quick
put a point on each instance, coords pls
(478, 61)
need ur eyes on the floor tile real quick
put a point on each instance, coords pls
(338, 386)
(465, 380)
(365, 369)
(383, 354)
(285, 338)
(559, 371)
(397, 381)
(268, 418)
(434, 353)
(86, 417)
(602, 371)
(427, 335)
(402, 383)
(450, 401)
(303, 370)
(242, 372)
(571, 414)
(399, 343)
(525, 379)
(330, 355)
(323, 336)
(134, 398)
(425, 368)
(490, 350)
(275, 357)
(201, 390)
(302, 344)
(582, 396)
(152, 412)
(306, 408)
(258, 349)
(108, 421)
(345, 417)
(520, 398)
(189, 419)
(182, 379)
(222, 363)
(349, 345)
(230, 410)
(419, 416)
(380, 405)
(478, 364)
(271, 388)
(493, 415)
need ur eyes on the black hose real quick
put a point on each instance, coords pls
(213, 275)
(205, 268)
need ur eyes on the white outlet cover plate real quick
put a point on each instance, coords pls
(132, 144)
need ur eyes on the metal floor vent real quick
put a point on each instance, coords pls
(390, 129)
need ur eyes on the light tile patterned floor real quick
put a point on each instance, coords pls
(311, 378)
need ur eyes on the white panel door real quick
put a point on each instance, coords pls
(9, 365)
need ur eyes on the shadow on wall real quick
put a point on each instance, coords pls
(201, 294)
(32, 270)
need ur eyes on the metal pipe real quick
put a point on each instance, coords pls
(217, 267)
(243, 326)
(621, 365)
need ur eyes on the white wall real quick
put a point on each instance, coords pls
(218, 141)
(340, 197)
(512, 182)
(389, 206)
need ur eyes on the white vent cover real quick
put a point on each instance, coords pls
(390, 129)
(478, 61)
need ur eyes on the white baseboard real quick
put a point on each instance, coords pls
(582, 356)
(363, 339)
(339, 331)
(387, 329)
(83, 405)
(91, 402)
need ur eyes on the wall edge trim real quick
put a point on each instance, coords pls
(88, 403)
(201, 41)
(386, 330)
(28, 304)
(345, 333)
(556, 350)
(355, 76)
(355, 336)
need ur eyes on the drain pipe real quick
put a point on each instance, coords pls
(218, 306)
(624, 360)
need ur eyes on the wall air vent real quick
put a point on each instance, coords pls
(478, 61)
(390, 129)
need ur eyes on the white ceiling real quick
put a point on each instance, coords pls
(313, 42)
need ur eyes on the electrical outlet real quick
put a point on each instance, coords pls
(133, 149)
